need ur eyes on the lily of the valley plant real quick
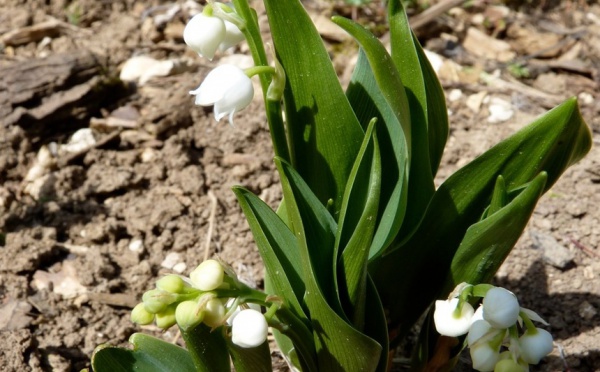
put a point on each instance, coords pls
(363, 244)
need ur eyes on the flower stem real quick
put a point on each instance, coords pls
(273, 108)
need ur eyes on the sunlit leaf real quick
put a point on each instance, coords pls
(371, 77)
(334, 337)
(357, 227)
(148, 354)
(317, 111)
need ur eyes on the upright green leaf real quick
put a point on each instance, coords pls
(340, 347)
(487, 243)
(278, 248)
(357, 227)
(254, 359)
(376, 91)
(429, 122)
(208, 348)
(149, 354)
(316, 108)
(551, 144)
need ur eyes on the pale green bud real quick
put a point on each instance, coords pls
(208, 275)
(156, 300)
(188, 314)
(171, 283)
(140, 315)
(509, 365)
(166, 319)
(214, 312)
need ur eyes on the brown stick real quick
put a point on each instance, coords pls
(430, 14)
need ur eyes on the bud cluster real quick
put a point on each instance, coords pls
(493, 330)
(203, 297)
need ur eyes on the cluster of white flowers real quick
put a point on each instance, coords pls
(188, 302)
(228, 88)
(493, 330)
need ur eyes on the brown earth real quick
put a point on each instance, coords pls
(87, 232)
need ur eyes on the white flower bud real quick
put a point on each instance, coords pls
(484, 357)
(480, 329)
(203, 34)
(535, 346)
(208, 275)
(500, 308)
(226, 87)
(233, 36)
(188, 314)
(214, 313)
(249, 329)
(447, 323)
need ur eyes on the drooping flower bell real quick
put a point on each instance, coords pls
(226, 87)
(535, 344)
(208, 31)
(203, 34)
(452, 322)
(500, 308)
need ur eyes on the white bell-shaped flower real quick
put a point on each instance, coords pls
(500, 308)
(249, 329)
(203, 34)
(233, 36)
(226, 87)
(484, 357)
(208, 275)
(535, 345)
(447, 322)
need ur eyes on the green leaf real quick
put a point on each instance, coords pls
(254, 359)
(340, 347)
(278, 248)
(208, 348)
(316, 108)
(357, 227)
(551, 144)
(429, 121)
(314, 229)
(149, 354)
(429, 116)
(376, 323)
(481, 252)
(368, 101)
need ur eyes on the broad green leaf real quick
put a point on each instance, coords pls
(317, 111)
(488, 242)
(340, 347)
(499, 198)
(551, 143)
(376, 323)
(426, 100)
(149, 354)
(315, 232)
(255, 359)
(424, 91)
(278, 249)
(208, 348)
(368, 101)
(357, 227)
